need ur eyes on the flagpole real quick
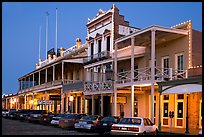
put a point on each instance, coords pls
(46, 33)
(56, 34)
(39, 41)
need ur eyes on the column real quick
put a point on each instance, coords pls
(28, 82)
(132, 78)
(101, 104)
(67, 103)
(152, 72)
(76, 102)
(81, 103)
(33, 80)
(39, 79)
(25, 103)
(115, 79)
(62, 70)
(53, 73)
(159, 117)
(62, 101)
(6, 103)
(93, 105)
(33, 102)
(46, 75)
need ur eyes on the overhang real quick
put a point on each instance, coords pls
(183, 89)
(143, 36)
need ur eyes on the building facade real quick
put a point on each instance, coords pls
(124, 71)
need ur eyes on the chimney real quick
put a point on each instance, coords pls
(78, 42)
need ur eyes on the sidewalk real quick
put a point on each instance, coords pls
(180, 130)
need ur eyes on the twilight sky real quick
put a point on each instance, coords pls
(21, 22)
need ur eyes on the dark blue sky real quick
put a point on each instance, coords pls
(21, 21)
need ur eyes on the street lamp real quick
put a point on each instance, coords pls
(71, 98)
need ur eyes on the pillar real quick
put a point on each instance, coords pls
(115, 79)
(101, 104)
(159, 117)
(62, 70)
(33, 80)
(76, 102)
(132, 78)
(33, 102)
(45, 75)
(62, 101)
(152, 72)
(93, 109)
(25, 103)
(39, 79)
(53, 73)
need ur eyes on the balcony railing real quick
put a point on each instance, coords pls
(51, 84)
(98, 86)
(95, 57)
(162, 74)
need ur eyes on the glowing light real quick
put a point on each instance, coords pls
(71, 98)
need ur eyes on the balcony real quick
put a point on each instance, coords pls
(96, 57)
(72, 85)
(42, 86)
(144, 75)
(98, 87)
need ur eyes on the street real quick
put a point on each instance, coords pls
(16, 127)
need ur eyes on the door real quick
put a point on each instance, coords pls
(179, 112)
(165, 111)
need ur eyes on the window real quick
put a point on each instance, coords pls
(180, 96)
(165, 65)
(180, 62)
(108, 43)
(92, 50)
(99, 46)
(165, 114)
(166, 97)
(180, 109)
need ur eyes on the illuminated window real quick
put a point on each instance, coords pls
(166, 97)
(180, 96)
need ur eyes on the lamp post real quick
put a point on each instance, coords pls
(71, 98)
(187, 113)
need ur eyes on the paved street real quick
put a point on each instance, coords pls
(15, 127)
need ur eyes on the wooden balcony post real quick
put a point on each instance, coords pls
(93, 110)
(115, 79)
(33, 80)
(39, 79)
(33, 101)
(152, 72)
(132, 78)
(62, 70)
(101, 104)
(53, 72)
(170, 73)
(46, 75)
(25, 101)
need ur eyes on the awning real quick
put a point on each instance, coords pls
(182, 89)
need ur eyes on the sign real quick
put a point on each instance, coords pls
(120, 99)
(55, 97)
(45, 102)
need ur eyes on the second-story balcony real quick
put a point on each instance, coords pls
(144, 75)
(98, 87)
(96, 57)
